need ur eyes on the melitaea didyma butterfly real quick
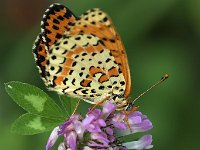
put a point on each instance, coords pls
(83, 57)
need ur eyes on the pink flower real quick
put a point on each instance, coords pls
(101, 130)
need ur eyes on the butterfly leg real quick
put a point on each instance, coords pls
(76, 107)
(127, 113)
(99, 103)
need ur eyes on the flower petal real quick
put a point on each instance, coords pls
(94, 128)
(71, 140)
(79, 129)
(109, 131)
(138, 123)
(101, 138)
(62, 146)
(100, 130)
(87, 148)
(142, 143)
(119, 125)
(108, 108)
(89, 118)
(52, 138)
(101, 122)
(119, 117)
(144, 126)
(135, 120)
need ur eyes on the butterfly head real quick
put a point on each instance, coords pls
(130, 107)
(126, 105)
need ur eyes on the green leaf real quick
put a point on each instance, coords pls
(68, 103)
(29, 124)
(34, 100)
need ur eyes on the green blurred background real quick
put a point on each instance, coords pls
(160, 36)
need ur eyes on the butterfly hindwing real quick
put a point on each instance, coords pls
(81, 66)
(98, 23)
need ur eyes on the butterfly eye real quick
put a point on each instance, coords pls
(129, 106)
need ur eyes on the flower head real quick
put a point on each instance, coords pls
(102, 129)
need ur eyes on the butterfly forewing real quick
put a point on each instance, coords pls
(98, 23)
(82, 57)
(81, 66)
(40, 55)
(54, 23)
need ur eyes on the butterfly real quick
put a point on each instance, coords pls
(83, 57)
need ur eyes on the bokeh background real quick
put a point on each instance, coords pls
(160, 36)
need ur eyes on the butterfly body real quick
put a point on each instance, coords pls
(82, 57)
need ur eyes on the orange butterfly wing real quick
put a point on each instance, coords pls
(102, 63)
(54, 23)
(97, 23)
(53, 26)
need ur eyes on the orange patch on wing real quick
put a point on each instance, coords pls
(74, 52)
(58, 80)
(66, 66)
(107, 32)
(42, 53)
(115, 53)
(69, 53)
(68, 62)
(99, 47)
(110, 45)
(90, 49)
(75, 30)
(65, 71)
(56, 22)
(44, 63)
(86, 82)
(113, 72)
(103, 78)
(93, 70)
(120, 46)
(78, 50)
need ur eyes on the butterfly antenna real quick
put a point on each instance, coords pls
(159, 82)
